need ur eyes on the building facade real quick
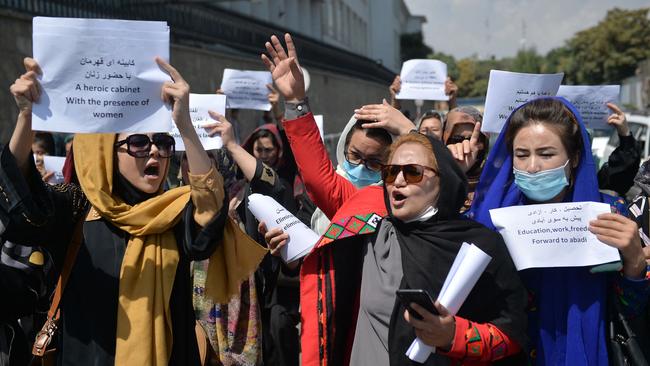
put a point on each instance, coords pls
(369, 28)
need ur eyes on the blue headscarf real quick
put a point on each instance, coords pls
(567, 322)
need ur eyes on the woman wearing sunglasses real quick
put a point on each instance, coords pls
(543, 155)
(128, 297)
(414, 247)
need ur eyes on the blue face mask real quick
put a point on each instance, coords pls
(541, 186)
(359, 175)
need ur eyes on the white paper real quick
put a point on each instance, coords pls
(423, 79)
(200, 104)
(591, 101)
(319, 122)
(553, 235)
(53, 164)
(301, 238)
(508, 90)
(468, 266)
(247, 89)
(100, 75)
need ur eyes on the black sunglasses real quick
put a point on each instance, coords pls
(413, 173)
(139, 145)
(452, 140)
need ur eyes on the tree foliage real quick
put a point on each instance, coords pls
(605, 53)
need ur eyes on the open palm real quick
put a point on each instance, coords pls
(285, 69)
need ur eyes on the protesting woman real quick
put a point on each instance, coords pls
(543, 156)
(128, 299)
(414, 248)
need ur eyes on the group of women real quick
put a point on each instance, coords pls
(128, 299)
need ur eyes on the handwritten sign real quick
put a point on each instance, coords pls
(301, 238)
(247, 89)
(508, 90)
(200, 104)
(100, 75)
(591, 101)
(423, 79)
(553, 235)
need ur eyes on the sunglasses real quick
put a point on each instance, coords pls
(139, 145)
(452, 140)
(413, 173)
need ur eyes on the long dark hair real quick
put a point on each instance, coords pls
(556, 116)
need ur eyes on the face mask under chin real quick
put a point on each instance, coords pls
(541, 186)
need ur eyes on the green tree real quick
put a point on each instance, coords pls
(609, 51)
(527, 60)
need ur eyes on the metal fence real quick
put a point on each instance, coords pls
(208, 26)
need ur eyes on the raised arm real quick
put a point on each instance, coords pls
(327, 189)
(26, 91)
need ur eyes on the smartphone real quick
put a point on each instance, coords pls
(418, 296)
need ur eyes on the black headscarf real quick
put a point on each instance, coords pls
(428, 250)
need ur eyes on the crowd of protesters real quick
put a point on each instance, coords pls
(158, 273)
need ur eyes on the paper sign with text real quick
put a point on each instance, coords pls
(591, 101)
(52, 164)
(301, 238)
(553, 235)
(508, 90)
(200, 104)
(100, 75)
(247, 89)
(423, 79)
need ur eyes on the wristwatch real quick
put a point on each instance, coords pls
(293, 110)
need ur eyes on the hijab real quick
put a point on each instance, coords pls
(568, 323)
(428, 249)
(144, 331)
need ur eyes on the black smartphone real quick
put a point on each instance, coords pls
(418, 296)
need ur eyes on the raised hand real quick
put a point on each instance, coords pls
(451, 89)
(176, 93)
(466, 152)
(618, 120)
(384, 116)
(285, 69)
(26, 89)
(223, 127)
(394, 88)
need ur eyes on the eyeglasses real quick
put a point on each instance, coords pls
(139, 145)
(413, 173)
(355, 160)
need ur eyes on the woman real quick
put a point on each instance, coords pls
(413, 248)
(128, 299)
(543, 156)
(430, 124)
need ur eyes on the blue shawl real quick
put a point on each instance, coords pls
(567, 322)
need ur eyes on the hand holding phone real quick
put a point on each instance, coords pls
(418, 296)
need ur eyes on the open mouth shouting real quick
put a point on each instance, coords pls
(152, 170)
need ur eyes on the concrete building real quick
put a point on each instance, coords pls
(370, 28)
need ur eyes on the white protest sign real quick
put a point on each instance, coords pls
(52, 164)
(591, 101)
(553, 235)
(319, 122)
(200, 104)
(301, 238)
(508, 90)
(100, 75)
(423, 79)
(247, 89)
